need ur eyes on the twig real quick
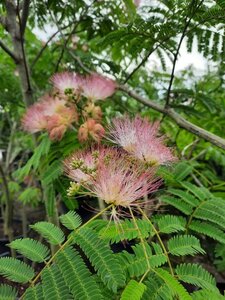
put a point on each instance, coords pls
(9, 52)
(23, 51)
(46, 45)
(187, 23)
(182, 122)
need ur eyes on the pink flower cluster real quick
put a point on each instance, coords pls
(141, 139)
(110, 175)
(52, 115)
(59, 111)
(121, 176)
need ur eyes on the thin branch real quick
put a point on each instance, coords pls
(9, 52)
(46, 45)
(29, 89)
(179, 120)
(187, 23)
(78, 60)
(25, 13)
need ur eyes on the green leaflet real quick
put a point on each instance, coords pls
(15, 270)
(101, 257)
(31, 249)
(50, 232)
(7, 292)
(134, 290)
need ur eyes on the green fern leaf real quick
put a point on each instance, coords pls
(7, 292)
(71, 220)
(178, 204)
(125, 230)
(53, 285)
(15, 270)
(34, 161)
(136, 264)
(157, 289)
(50, 232)
(208, 230)
(173, 284)
(101, 257)
(34, 293)
(183, 195)
(77, 276)
(212, 210)
(134, 290)
(169, 224)
(184, 245)
(206, 294)
(200, 192)
(196, 275)
(52, 172)
(182, 170)
(31, 249)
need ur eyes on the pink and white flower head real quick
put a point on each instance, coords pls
(140, 138)
(97, 87)
(82, 165)
(67, 82)
(34, 120)
(52, 115)
(116, 183)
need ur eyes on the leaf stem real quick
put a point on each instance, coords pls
(64, 245)
(159, 239)
(143, 245)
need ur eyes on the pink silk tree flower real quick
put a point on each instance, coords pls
(91, 128)
(122, 185)
(53, 115)
(92, 111)
(67, 82)
(140, 138)
(82, 165)
(34, 120)
(97, 87)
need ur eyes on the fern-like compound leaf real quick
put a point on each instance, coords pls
(157, 289)
(173, 284)
(184, 245)
(206, 294)
(31, 249)
(125, 230)
(101, 257)
(136, 264)
(15, 270)
(209, 230)
(196, 275)
(178, 204)
(50, 232)
(7, 292)
(53, 285)
(212, 210)
(186, 197)
(77, 276)
(71, 220)
(199, 192)
(34, 293)
(134, 290)
(169, 224)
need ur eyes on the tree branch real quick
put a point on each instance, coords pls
(9, 52)
(25, 13)
(179, 120)
(187, 23)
